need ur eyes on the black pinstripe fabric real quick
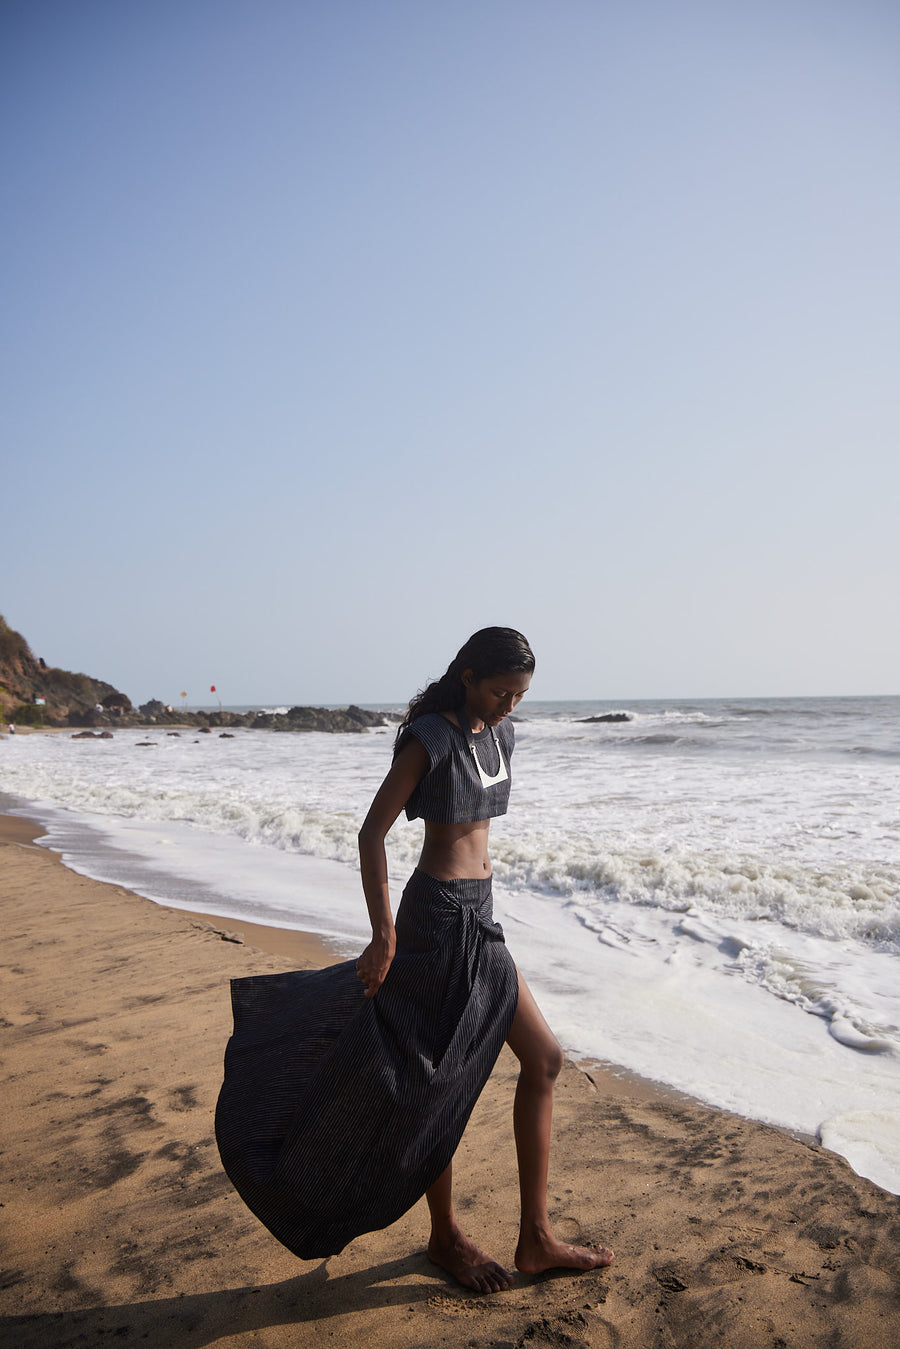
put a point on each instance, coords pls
(451, 790)
(338, 1111)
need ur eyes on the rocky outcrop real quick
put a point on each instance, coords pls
(77, 700)
(117, 703)
(318, 719)
(69, 699)
(153, 709)
(330, 719)
(607, 716)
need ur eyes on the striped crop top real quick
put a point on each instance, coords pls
(457, 787)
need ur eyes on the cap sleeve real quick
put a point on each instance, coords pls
(433, 733)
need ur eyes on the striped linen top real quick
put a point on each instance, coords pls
(451, 791)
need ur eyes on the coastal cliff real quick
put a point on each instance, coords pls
(67, 696)
(80, 700)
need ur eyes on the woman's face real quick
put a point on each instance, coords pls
(494, 697)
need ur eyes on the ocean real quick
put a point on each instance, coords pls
(707, 894)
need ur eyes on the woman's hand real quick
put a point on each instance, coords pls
(374, 963)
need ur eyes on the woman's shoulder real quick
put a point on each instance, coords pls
(433, 730)
(438, 719)
(433, 724)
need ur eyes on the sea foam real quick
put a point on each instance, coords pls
(708, 894)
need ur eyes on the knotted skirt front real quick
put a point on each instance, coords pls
(338, 1111)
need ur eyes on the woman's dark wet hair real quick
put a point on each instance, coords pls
(490, 651)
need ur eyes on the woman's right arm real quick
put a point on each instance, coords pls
(408, 768)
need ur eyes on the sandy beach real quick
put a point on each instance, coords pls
(117, 1219)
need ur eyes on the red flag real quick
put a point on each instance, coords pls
(212, 688)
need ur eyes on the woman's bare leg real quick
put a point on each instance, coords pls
(541, 1059)
(450, 1248)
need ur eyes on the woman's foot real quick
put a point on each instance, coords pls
(467, 1263)
(542, 1251)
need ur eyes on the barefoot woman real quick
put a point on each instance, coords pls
(348, 1089)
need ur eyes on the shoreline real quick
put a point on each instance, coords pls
(120, 1221)
(307, 949)
(290, 944)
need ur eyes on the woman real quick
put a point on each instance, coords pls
(347, 1090)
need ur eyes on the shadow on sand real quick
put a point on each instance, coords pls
(192, 1320)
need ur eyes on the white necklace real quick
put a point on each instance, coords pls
(486, 779)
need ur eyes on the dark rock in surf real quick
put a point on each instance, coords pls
(317, 719)
(607, 716)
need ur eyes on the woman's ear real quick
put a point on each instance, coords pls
(467, 678)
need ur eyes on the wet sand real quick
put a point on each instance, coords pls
(118, 1221)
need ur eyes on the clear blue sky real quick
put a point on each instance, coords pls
(335, 330)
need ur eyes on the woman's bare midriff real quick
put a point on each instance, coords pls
(454, 852)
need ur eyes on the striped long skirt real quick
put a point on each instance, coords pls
(338, 1111)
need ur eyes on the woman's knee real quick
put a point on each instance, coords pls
(543, 1060)
(553, 1058)
(533, 1042)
